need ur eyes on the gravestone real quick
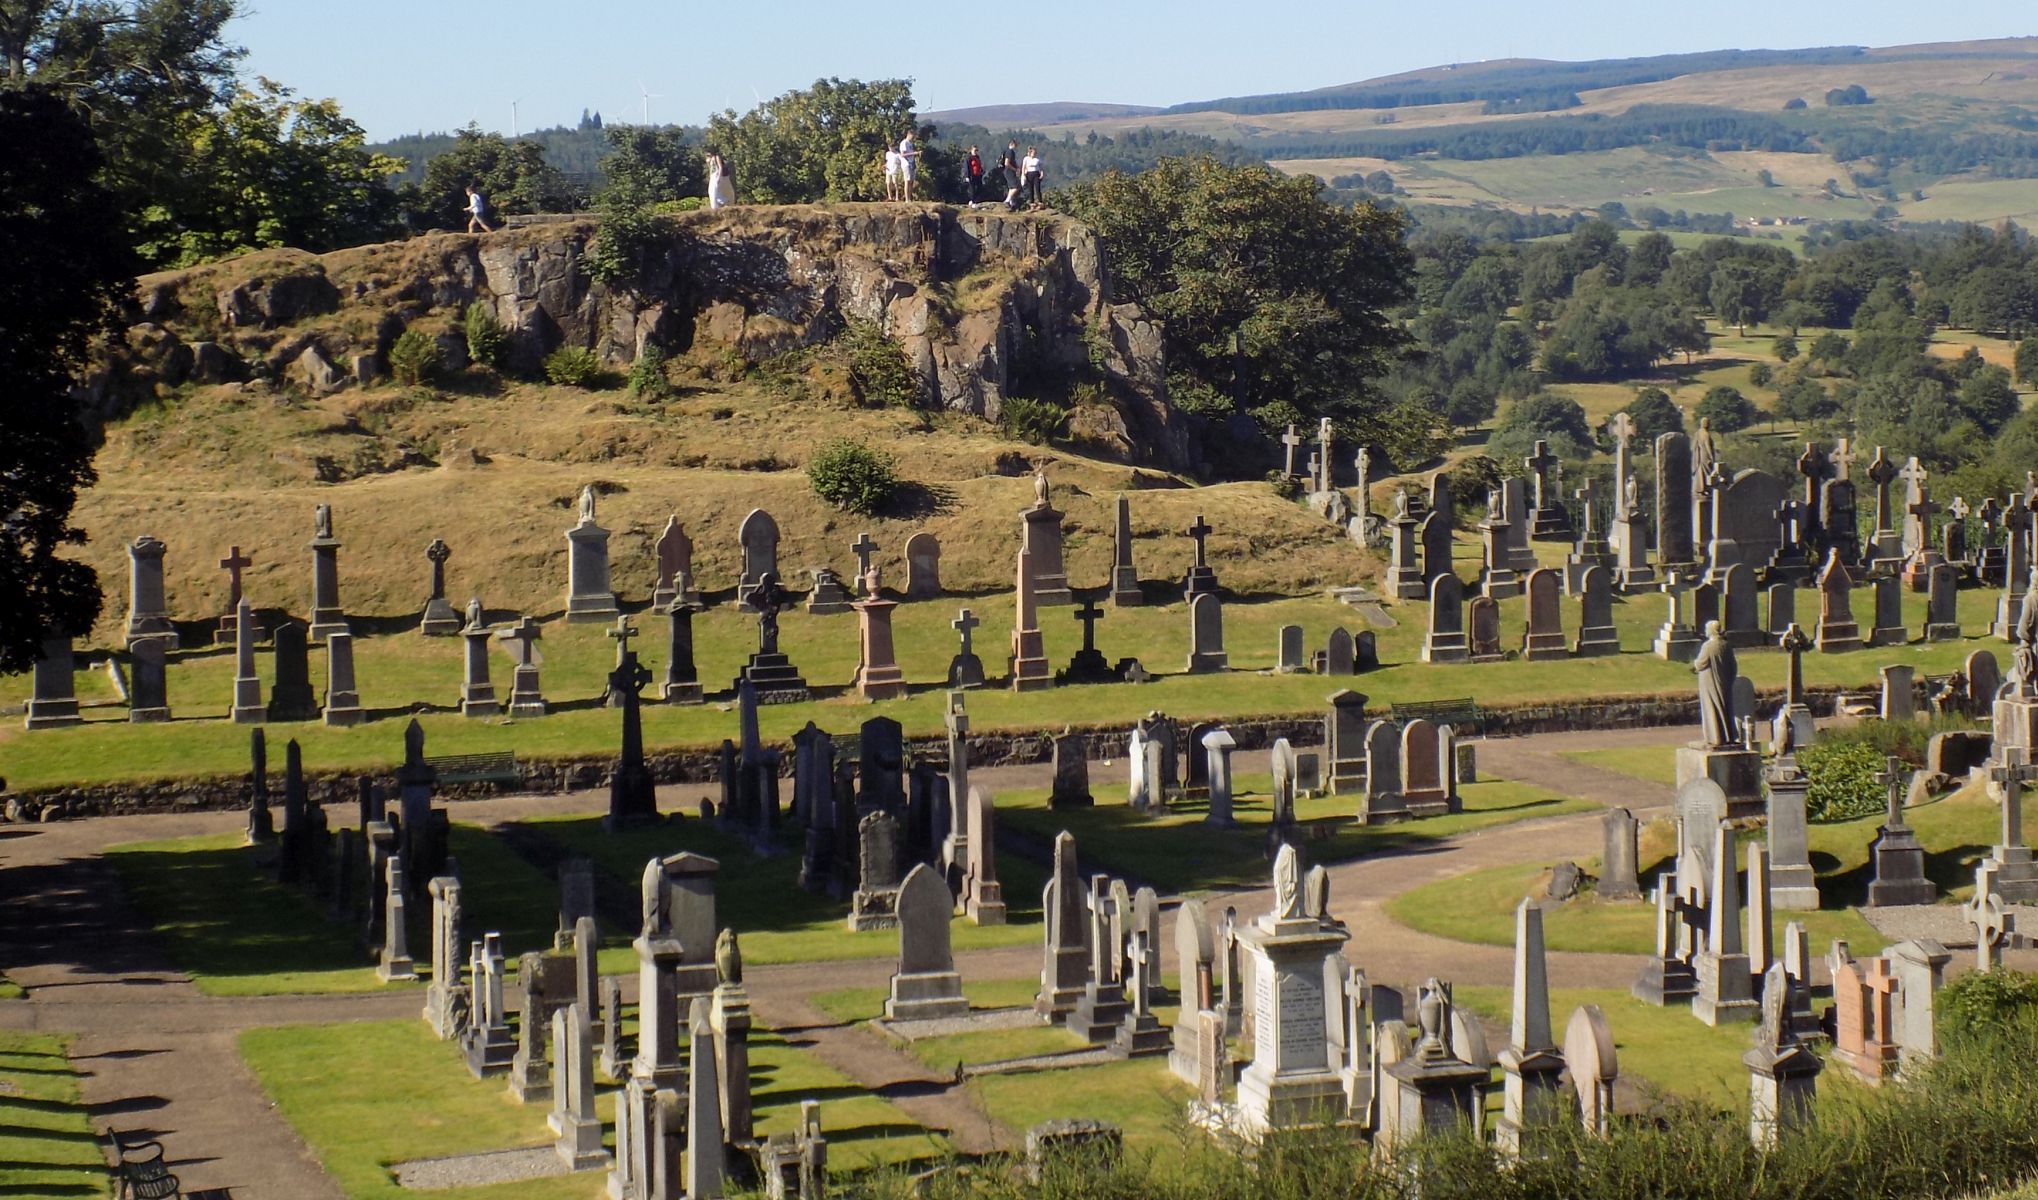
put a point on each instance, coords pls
(983, 899)
(1071, 772)
(758, 538)
(1984, 681)
(1288, 655)
(1744, 525)
(1792, 883)
(1195, 972)
(1677, 639)
(1618, 878)
(1425, 787)
(1383, 802)
(675, 582)
(923, 566)
(477, 693)
(1484, 618)
(1290, 1080)
(148, 700)
(1365, 651)
(1545, 636)
(1405, 578)
(1597, 636)
(1281, 804)
(1725, 987)
(633, 796)
(876, 902)
(1028, 662)
(589, 596)
(1446, 641)
(965, 670)
(1065, 926)
(291, 697)
(1896, 857)
(148, 615)
(1040, 541)
(1436, 547)
(770, 671)
(1782, 611)
(1741, 618)
(1125, 591)
(573, 1120)
(233, 564)
(1344, 741)
(1942, 600)
(1340, 654)
(1201, 579)
(827, 597)
(1899, 698)
(1089, 664)
(1781, 1069)
(1530, 1065)
(1498, 579)
(1837, 631)
(1206, 635)
(343, 700)
(248, 708)
(926, 985)
(1673, 501)
(878, 676)
(1218, 744)
(1889, 613)
(438, 618)
(326, 614)
(1548, 522)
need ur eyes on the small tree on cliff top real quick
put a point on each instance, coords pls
(1216, 251)
(826, 143)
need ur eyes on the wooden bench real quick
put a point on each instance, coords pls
(495, 767)
(139, 1171)
(1462, 715)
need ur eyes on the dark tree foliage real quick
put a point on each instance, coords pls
(513, 176)
(1654, 414)
(68, 264)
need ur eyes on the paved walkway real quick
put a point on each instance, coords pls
(158, 1057)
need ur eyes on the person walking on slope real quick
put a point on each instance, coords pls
(1009, 164)
(893, 165)
(909, 160)
(973, 176)
(477, 207)
(1031, 169)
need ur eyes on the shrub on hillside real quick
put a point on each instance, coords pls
(1473, 477)
(415, 357)
(1727, 409)
(572, 366)
(487, 340)
(878, 371)
(1784, 347)
(1844, 783)
(1654, 414)
(648, 380)
(1984, 1003)
(853, 477)
(1033, 421)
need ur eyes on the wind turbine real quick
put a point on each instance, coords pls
(648, 97)
(513, 117)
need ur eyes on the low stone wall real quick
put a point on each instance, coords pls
(986, 750)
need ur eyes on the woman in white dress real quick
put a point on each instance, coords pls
(721, 185)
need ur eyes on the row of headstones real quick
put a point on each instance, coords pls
(1401, 770)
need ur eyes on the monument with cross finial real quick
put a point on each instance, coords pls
(865, 549)
(1920, 511)
(1816, 469)
(1040, 538)
(965, 670)
(1326, 438)
(439, 618)
(1953, 536)
(1995, 926)
(1886, 545)
(620, 633)
(2018, 522)
(1548, 520)
(770, 673)
(1089, 665)
(1990, 556)
(878, 676)
(633, 795)
(233, 564)
(1028, 661)
(526, 698)
(1896, 855)
(1201, 580)
(1290, 443)
(2016, 873)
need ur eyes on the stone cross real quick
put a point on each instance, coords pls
(233, 564)
(769, 597)
(1362, 462)
(1314, 470)
(622, 631)
(1814, 467)
(965, 625)
(1199, 531)
(1089, 614)
(863, 548)
(1290, 442)
(1323, 442)
(520, 636)
(438, 552)
(1588, 504)
(1995, 927)
(1540, 462)
(1789, 516)
(1893, 776)
(1991, 515)
(2009, 778)
(1958, 509)
(1622, 428)
(1842, 458)
(1882, 473)
(1795, 643)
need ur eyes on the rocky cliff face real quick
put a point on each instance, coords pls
(977, 301)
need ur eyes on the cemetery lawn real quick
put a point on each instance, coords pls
(1178, 855)
(224, 920)
(1140, 1096)
(851, 1005)
(398, 672)
(1478, 906)
(1660, 1049)
(1650, 764)
(47, 1146)
(761, 899)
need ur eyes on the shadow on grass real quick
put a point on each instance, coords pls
(221, 913)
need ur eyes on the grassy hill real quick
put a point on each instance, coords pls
(1693, 132)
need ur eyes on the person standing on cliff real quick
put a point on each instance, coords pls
(909, 161)
(477, 208)
(1009, 164)
(1031, 175)
(973, 176)
(893, 164)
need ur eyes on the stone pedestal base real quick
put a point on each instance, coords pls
(579, 1145)
(1209, 663)
(1738, 772)
(2016, 874)
(1098, 1013)
(325, 622)
(1406, 583)
(1889, 635)
(1537, 647)
(1446, 648)
(774, 678)
(248, 708)
(479, 701)
(531, 1082)
(2015, 726)
(1030, 671)
(1726, 990)
(874, 908)
(1665, 981)
(1058, 998)
(152, 716)
(984, 903)
(344, 709)
(926, 997)
(489, 1050)
(1597, 641)
(1676, 643)
(885, 682)
(439, 619)
(1793, 888)
(1837, 637)
(396, 970)
(1140, 1035)
(1125, 591)
(1899, 863)
(1502, 584)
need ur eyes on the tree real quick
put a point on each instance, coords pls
(68, 266)
(270, 169)
(513, 175)
(2027, 360)
(1650, 258)
(1727, 409)
(1784, 347)
(1543, 416)
(1987, 399)
(1993, 299)
(1220, 252)
(650, 166)
(1654, 414)
(825, 144)
(1803, 399)
(1761, 374)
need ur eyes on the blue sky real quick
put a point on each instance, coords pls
(398, 67)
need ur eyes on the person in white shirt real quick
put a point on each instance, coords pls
(477, 207)
(721, 185)
(909, 158)
(1031, 173)
(893, 166)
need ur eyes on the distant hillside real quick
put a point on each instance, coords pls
(1935, 132)
(1020, 116)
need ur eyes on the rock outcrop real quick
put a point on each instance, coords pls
(980, 304)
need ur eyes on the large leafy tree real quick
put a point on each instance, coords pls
(1269, 294)
(825, 143)
(514, 176)
(67, 265)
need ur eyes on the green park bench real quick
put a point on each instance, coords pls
(139, 1171)
(1460, 714)
(498, 766)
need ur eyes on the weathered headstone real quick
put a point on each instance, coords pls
(758, 536)
(1597, 636)
(589, 597)
(923, 566)
(291, 697)
(148, 700)
(477, 692)
(1446, 641)
(1065, 923)
(438, 618)
(1897, 858)
(965, 670)
(343, 700)
(1942, 600)
(148, 615)
(326, 614)
(1618, 877)
(1288, 654)
(1071, 772)
(1424, 788)
(1125, 591)
(1530, 1065)
(633, 796)
(1545, 636)
(1383, 775)
(674, 552)
(926, 985)
(1041, 543)
(983, 899)
(877, 894)
(1028, 663)
(1206, 635)
(1218, 745)
(1889, 613)
(248, 708)
(1482, 617)
(1837, 631)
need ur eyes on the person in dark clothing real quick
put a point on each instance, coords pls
(1009, 164)
(973, 176)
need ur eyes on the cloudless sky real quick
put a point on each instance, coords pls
(400, 66)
